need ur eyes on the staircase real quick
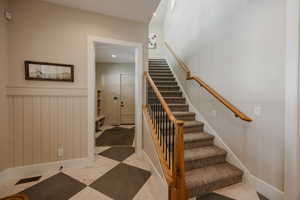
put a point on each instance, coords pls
(205, 164)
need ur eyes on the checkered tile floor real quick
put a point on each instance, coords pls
(117, 174)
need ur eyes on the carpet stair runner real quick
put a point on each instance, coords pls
(205, 164)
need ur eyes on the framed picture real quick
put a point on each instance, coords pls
(152, 41)
(41, 71)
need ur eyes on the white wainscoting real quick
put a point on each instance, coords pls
(44, 120)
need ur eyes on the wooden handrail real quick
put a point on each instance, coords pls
(175, 175)
(189, 76)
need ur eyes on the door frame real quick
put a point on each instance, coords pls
(91, 102)
(133, 74)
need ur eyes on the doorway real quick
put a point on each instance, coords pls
(132, 113)
(127, 99)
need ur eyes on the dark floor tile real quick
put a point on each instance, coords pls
(122, 182)
(116, 136)
(213, 196)
(261, 197)
(118, 153)
(57, 187)
(28, 180)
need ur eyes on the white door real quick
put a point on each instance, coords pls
(127, 98)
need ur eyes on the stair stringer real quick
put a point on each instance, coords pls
(218, 141)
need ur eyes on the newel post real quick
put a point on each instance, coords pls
(181, 192)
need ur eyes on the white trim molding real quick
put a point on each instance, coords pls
(92, 40)
(42, 91)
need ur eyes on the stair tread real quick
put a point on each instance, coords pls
(167, 91)
(203, 152)
(174, 98)
(192, 137)
(177, 104)
(192, 123)
(183, 113)
(157, 82)
(211, 174)
(167, 98)
(167, 86)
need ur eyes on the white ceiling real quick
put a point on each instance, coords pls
(137, 10)
(104, 54)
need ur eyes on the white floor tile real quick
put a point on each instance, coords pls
(90, 194)
(239, 191)
(88, 175)
(137, 161)
(101, 149)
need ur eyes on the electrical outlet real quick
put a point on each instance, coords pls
(60, 152)
(214, 113)
(257, 111)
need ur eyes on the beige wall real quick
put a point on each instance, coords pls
(108, 81)
(3, 82)
(46, 116)
(236, 47)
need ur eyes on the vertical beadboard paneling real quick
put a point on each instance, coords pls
(36, 130)
(28, 130)
(76, 126)
(53, 128)
(45, 133)
(68, 134)
(61, 123)
(83, 125)
(18, 131)
(11, 130)
(40, 125)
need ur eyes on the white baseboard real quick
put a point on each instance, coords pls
(38, 169)
(159, 186)
(262, 187)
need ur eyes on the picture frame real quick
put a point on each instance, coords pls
(44, 71)
(152, 41)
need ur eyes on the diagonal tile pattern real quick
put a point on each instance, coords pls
(118, 153)
(58, 187)
(131, 177)
(118, 173)
(116, 136)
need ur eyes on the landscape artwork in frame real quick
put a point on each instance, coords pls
(42, 71)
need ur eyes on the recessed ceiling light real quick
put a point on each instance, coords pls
(114, 56)
(154, 14)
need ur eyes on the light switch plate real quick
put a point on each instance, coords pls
(257, 111)
(214, 113)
